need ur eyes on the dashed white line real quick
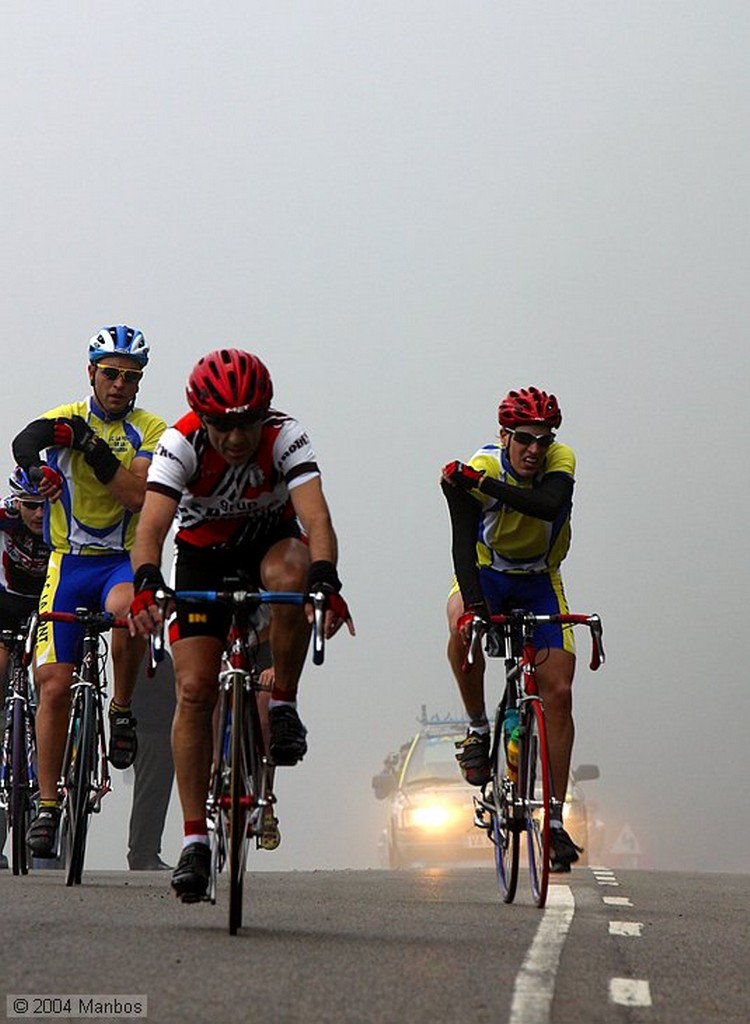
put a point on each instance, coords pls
(629, 992)
(617, 901)
(625, 928)
(535, 982)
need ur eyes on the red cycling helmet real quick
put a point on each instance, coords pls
(229, 381)
(529, 405)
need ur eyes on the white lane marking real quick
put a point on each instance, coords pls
(607, 881)
(625, 927)
(629, 992)
(535, 982)
(617, 901)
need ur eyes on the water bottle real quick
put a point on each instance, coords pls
(510, 738)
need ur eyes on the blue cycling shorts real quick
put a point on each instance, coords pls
(541, 592)
(75, 581)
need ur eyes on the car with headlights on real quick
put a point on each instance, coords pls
(430, 808)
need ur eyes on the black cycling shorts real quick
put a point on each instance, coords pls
(209, 569)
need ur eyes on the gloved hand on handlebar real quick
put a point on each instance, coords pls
(478, 610)
(322, 578)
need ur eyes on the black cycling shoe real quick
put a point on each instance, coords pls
(562, 851)
(474, 758)
(190, 877)
(288, 743)
(123, 740)
(42, 832)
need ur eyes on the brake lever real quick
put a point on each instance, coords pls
(319, 611)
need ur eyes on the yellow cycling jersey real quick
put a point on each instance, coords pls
(510, 541)
(87, 519)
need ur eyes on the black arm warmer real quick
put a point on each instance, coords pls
(102, 460)
(464, 512)
(545, 502)
(32, 440)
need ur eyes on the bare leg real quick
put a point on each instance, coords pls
(53, 683)
(555, 680)
(196, 662)
(471, 683)
(127, 651)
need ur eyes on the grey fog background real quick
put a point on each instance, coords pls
(407, 209)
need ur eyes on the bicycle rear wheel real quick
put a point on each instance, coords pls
(20, 793)
(505, 828)
(536, 792)
(78, 786)
(239, 794)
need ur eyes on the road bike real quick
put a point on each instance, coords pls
(19, 786)
(84, 777)
(519, 795)
(241, 800)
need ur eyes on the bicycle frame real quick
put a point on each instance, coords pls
(84, 777)
(519, 798)
(18, 781)
(241, 779)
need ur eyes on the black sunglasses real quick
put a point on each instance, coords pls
(526, 438)
(113, 372)
(233, 421)
(30, 503)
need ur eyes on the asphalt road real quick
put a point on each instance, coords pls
(378, 946)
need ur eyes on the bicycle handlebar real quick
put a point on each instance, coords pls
(253, 598)
(97, 621)
(528, 620)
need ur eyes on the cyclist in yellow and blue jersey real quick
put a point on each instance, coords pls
(510, 510)
(98, 451)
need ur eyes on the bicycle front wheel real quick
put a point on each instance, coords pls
(536, 793)
(78, 785)
(20, 794)
(505, 827)
(239, 794)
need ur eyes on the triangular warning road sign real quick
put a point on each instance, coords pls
(626, 843)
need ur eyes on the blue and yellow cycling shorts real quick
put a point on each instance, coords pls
(75, 581)
(540, 592)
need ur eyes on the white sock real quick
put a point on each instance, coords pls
(194, 839)
(281, 703)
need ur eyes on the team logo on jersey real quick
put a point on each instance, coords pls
(295, 446)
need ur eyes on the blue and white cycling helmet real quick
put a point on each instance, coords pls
(21, 486)
(119, 341)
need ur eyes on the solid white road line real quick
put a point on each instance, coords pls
(535, 982)
(625, 927)
(629, 992)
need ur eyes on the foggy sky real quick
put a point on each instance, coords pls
(406, 210)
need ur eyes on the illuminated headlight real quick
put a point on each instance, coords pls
(431, 816)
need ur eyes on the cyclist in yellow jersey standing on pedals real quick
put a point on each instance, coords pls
(510, 509)
(243, 481)
(98, 451)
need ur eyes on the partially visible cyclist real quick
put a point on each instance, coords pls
(98, 451)
(243, 481)
(23, 566)
(510, 509)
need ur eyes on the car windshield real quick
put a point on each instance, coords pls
(433, 757)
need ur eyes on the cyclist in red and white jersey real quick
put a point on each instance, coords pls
(23, 566)
(240, 480)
